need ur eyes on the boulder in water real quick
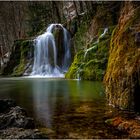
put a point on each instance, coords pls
(14, 122)
(16, 117)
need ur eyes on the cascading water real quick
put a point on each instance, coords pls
(66, 61)
(94, 47)
(46, 54)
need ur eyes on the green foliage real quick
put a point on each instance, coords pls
(91, 64)
(93, 70)
(122, 74)
(80, 36)
(72, 73)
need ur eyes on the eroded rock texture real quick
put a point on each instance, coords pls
(122, 79)
(15, 124)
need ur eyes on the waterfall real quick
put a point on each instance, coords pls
(105, 31)
(67, 59)
(46, 54)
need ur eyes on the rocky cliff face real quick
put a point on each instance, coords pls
(84, 20)
(122, 79)
(91, 42)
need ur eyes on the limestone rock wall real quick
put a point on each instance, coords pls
(122, 79)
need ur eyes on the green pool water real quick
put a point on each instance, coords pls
(66, 108)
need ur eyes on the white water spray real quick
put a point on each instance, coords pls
(46, 54)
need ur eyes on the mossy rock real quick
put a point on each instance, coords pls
(80, 36)
(19, 69)
(92, 71)
(91, 64)
(21, 54)
(72, 72)
(98, 51)
(122, 79)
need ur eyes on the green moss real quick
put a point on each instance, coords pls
(77, 63)
(18, 71)
(93, 70)
(90, 53)
(80, 36)
(88, 72)
(91, 64)
(123, 64)
(19, 58)
(25, 48)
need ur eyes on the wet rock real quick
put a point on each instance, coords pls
(137, 38)
(28, 68)
(16, 117)
(115, 121)
(6, 104)
(22, 54)
(15, 124)
(20, 133)
(121, 79)
(132, 126)
(135, 133)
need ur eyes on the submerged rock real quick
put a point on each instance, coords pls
(16, 117)
(132, 127)
(20, 133)
(14, 122)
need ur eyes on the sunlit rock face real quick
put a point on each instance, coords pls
(122, 79)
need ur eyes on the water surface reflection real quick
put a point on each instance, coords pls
(43, 98)
(46, 94)
(72, 109)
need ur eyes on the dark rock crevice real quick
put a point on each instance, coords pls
(137, 95)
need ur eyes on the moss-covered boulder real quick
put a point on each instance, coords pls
(90, 64)
(20, 59)
(77, 63)
(122, 79)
